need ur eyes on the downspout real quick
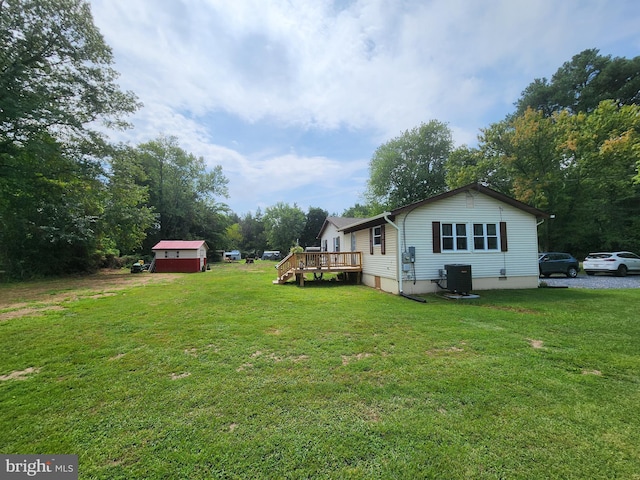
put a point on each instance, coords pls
(401, 242)
(399, 248)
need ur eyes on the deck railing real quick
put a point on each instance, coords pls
(323, 261)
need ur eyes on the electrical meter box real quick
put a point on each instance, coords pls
(409, 256)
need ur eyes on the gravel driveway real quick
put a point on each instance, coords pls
(594, 282)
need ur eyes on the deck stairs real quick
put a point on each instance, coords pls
(285, 270)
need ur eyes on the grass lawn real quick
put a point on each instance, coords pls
(224, 375)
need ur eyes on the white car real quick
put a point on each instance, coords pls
(619, 263)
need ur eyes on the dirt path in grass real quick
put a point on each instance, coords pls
(19, 299)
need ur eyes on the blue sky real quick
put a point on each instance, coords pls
(293, 97)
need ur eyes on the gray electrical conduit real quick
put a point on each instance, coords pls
(402, 294)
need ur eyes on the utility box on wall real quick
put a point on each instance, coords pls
(459, 278)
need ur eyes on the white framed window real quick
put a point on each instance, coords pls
(485, 236)
(376, 239)
(377, 235)
(454, 237)
(336, 244)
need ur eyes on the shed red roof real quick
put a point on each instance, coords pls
(180, 245)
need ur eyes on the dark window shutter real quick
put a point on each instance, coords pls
(371, 241)
(503, 237)
(382, 240)
(435, 232)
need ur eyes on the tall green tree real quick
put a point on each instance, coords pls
(579, 167)
(521, 158)
(253, 235)
(313, 223)
(56, 74)
(128, 215)
(183, 192)
(529, 157)
(580, 84)
(283, 225)
(50, 211)
(233, 235)
(468, 165)
(411, 167)
(56, 85)
(604, 211)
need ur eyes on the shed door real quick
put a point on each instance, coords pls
(202, 255)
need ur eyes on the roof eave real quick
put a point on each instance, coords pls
(478, 187)
(368, 222)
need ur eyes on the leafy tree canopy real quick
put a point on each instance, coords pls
(313, 223)
(252, 230)
(603, 148)
(582, 83)
(57, 85)
(55, 73)
(410, 168)
(582, 168)
(183, 192)
(370, 209)
(283, 225)
(128, 215)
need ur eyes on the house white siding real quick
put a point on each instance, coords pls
(515, 268)
(379, 270)
(472, 225)
(328, 239)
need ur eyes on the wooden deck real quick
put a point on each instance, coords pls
(297, 265)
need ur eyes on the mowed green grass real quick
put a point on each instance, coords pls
(224, 375)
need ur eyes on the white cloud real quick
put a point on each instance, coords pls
(370, 66)
(373, 64)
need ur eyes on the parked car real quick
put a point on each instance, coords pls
(556, 262)
(271, 255)
(618, 263)
(139, 267)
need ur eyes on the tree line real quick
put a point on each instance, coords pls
(570, 148)
(71, 201)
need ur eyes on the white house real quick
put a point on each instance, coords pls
(407, 250)
(332, 239)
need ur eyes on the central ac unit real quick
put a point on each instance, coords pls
(459, 278)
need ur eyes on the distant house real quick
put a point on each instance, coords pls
(407, 250)
(183, 256)
(332, 239)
